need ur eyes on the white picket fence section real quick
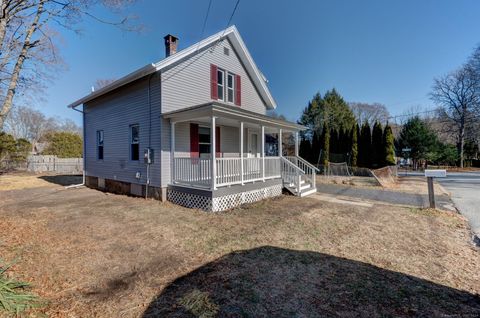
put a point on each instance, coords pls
(47, 163)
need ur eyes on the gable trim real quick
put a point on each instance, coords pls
(231, 33)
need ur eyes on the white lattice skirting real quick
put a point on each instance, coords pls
(225, 202)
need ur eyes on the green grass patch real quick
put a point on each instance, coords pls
(14, 297)
(199, 304)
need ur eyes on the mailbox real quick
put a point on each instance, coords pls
(436, 173)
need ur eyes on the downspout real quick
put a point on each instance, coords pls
(147, 183)
(83, 145)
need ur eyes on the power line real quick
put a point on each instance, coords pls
(205, 21)
(212, 48)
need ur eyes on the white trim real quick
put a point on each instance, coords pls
(241, 153)
(213, 153)
(219, 70)
(231, 33)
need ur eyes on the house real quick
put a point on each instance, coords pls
(191, 129)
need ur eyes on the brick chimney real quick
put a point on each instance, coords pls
(170, 45)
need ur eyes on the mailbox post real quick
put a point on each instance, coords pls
(430, 174)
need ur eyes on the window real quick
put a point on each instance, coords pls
(226, 51)
(134, 142)
(204, 141)
(220, 84)
(230, 87)
(100, 144)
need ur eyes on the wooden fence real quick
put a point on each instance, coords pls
(55, 164)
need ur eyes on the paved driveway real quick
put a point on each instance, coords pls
(387, 196)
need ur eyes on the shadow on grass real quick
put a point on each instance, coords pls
(63, 180)
(275, 282)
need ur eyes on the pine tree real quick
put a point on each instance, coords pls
(312, 157)
(377, 145)
(305, 148)
(389, 146)
(326, 145)
(365, 146)
(354, 145)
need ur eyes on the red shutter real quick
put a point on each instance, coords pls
(217, 141)
(213, 82)
(238, 91)
(194, 146)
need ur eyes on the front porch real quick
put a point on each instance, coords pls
(243, 153)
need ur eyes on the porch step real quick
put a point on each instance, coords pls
(305, 190)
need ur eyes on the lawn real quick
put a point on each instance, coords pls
(88, 253)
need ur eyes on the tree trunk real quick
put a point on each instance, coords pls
(27, 45)
(461, 138)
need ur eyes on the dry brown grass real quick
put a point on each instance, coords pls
(24, 180)
(94, 254)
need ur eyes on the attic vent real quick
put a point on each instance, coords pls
(226, 51)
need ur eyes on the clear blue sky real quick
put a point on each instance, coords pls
(370, 51)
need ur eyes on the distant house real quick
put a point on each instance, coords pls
(151, 132)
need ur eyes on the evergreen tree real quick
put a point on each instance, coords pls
(326, 145)
(389, 146)
(305, 148)
(365, 146)
(417, 136)
(354, 145)
(64, 145)
(377, 154)
(312, 157)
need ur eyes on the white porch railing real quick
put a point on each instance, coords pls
(291, 174)
(192, 171)
(197, 171)
(309, 169)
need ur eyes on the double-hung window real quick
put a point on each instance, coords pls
(204, 141)
(230, 87)
(220, 84)
(100, 144)
(134, 142)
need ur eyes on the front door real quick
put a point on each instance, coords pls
(253, 144)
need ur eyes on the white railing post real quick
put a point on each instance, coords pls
(280, 146)
(241, 152)
(263, 153)
(172, 150)
(213, 153)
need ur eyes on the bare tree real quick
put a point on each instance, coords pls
(102, 82)
(457, 94)
(28, 53)
(28, 123)
(369, 112)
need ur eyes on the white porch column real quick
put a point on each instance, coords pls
(213, 150)
(241, 152)
(280, 149)
(263, 153)
(172, 151)
(296, 143)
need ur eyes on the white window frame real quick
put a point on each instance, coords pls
(100, 144)
(134, 142)
(222, 86)
(228, 88)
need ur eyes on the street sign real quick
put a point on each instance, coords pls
(436, 173)
(406, 149)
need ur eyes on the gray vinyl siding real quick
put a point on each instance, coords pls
(188, 83)
(229, 144)
(114, 113)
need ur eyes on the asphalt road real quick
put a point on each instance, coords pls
(464, 188)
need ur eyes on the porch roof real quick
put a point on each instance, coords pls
(221, 110)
